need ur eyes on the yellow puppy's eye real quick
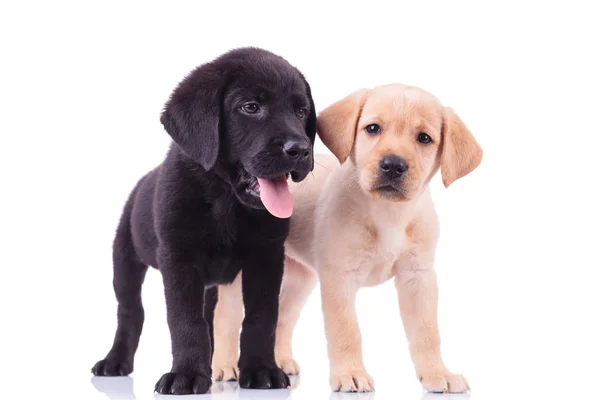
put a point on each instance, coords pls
(373, 129)
(424, 138)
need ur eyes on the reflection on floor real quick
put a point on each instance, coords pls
(121, 388)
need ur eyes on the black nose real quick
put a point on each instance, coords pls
(393, 167)
(297, 149)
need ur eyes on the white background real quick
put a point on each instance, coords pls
(81, 88)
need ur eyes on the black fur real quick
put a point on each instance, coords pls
(196, 219)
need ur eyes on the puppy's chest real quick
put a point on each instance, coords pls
(378, 259)
(239, 231)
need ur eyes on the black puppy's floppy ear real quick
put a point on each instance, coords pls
(311, 123)
(193, 112)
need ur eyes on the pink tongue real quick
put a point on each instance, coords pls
(276, 196)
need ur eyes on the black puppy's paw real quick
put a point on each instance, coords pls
(263, 378)
(178, 383)
(112, 367)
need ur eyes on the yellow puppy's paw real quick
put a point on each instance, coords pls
(289, 366)
(225, 372)
(352, 381)
(444, 382)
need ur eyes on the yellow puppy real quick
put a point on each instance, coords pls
(361, 223)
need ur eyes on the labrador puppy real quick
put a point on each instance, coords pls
(219, 203)
(364, 222)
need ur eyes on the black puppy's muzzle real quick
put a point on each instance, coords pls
(299, 155)
(291, 155)
(297, 150)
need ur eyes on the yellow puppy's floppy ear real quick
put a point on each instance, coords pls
(336, 125)
(461, 153)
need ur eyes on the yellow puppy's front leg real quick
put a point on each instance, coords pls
(418, 298)
(227, 324)
(347, 371)
(298, 283)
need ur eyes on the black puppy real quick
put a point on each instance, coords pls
(218, 204)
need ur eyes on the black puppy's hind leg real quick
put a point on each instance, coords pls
(128, 276)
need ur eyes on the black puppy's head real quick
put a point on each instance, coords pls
(249, 116)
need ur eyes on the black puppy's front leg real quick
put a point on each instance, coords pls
(261, 283)
(190, 344)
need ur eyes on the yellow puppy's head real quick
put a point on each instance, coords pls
(398, 136)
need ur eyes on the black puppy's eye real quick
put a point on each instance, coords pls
(373, 129)
(424, 138)
(302, 113)
(250, 108)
